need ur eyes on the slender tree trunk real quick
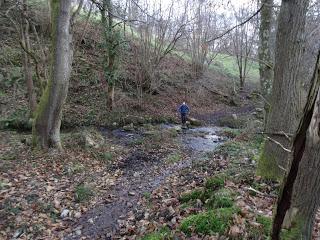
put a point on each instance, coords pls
(265, 63)
(286, 103)
(46, 130)
(27, 61)
(265, 59)
(29, 81)
(107, 24)
(300, 198)
(110, 100)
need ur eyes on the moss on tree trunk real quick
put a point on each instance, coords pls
(46, 128)
(300, 196)
(286, 104)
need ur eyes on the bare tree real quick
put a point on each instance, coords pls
(242, 40)
(34, 57)
(158, 35)
(46, 129)
(203, 27)
(25, 41)
(112, 44)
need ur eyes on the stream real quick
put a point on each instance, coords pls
(142, 173)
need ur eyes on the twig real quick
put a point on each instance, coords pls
(282, 168)
(238, 25)
(75, 13)
(279, 144)
(281, 133)
(101, 8)
(260, 193)
(86, 25)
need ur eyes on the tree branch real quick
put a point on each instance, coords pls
(279, 144)
(238, 25)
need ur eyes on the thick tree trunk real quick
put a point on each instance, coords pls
(286, 103)
(46, 130)
(265, 59)
(300, 196)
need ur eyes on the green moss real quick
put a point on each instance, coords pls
(39, 113)
(83, 193)
(220, 202)
(208, 223)
(215, 183)
(231, 148)
(195, 194)
(161, 234)
(173, 158)
(267, 166)
(266, 223)
(220, 199)
(231, 132)
(295, 232)
(291, 234)
(107, 156)
(147, 195)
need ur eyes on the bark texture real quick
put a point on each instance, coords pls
(300, 196)
(111, 45)
(46, 130)
(286, 103)
(27, 66)
(265, 58)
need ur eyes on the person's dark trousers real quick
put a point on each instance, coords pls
(183, 118)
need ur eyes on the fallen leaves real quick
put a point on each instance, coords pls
(37, 189)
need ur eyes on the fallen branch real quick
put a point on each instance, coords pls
(260, 193)
(279, 144)
(282, 168)
(281, 133)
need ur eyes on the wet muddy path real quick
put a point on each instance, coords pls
(141, 173)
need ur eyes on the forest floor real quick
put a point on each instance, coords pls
(139, 182)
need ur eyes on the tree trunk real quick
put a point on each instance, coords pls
(241, 82)
(300, 196)
(29, 81)
(286, 90)
(27, 61)
(46, 130)
(110, 58)
(265, 62)
(265, 59)
(110, 99)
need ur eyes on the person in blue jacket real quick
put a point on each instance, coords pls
(184, 110)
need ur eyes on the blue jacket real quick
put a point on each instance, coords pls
(184, 109)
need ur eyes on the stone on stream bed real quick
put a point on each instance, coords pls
(129, 127)
(204, 139)
(194, 122)
(89, 138)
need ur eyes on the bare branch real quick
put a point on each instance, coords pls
(279, 144)
(77, 11)
(238, 25)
